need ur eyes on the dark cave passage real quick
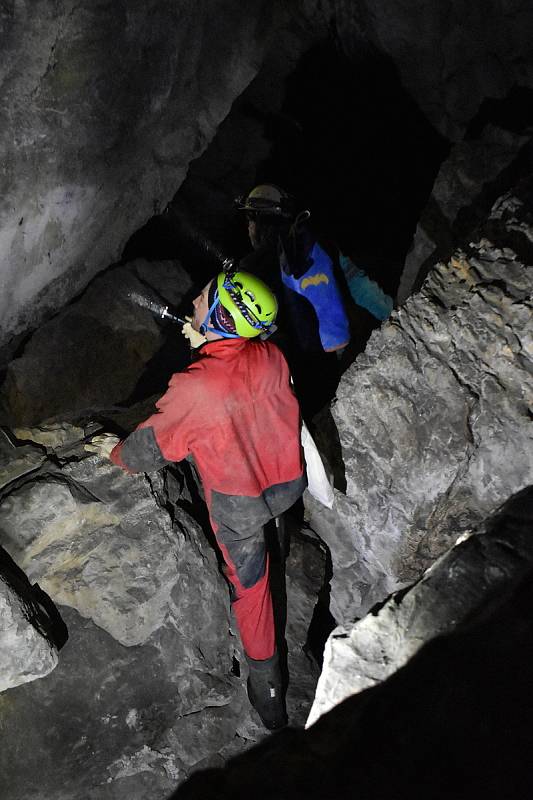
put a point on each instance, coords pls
(360, 155)
(349, 143)
(514, 112)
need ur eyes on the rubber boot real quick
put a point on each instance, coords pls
(265, 691)
(284, 537)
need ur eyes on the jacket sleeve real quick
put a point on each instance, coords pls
(139, 452)
(164, 437)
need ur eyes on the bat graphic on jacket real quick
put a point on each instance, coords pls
(314, 280)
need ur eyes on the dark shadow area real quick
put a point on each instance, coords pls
(278, 540)
(175, 235)
(156, 240)
(360, 155)
(349, 143)
(327, 439)
(184, 489)
(454, 722)
(322, 621)
(173, 356)
(517, 176)
(513, 113)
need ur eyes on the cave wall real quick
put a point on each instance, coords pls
(92, 355)
(151, 684)
(454, 721)
(475, 174)
(434, 418)
(102, 108)
(468, 579)
(450, 55)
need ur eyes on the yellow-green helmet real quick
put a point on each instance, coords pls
(250, 302)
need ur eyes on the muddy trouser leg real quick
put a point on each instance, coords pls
(248, 573)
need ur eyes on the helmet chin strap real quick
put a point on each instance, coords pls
(204, 327)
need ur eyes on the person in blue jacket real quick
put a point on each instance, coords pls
(313, 324)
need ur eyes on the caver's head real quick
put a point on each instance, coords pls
(234, 305)
(269, 210)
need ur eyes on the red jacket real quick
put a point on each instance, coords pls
(234, 411)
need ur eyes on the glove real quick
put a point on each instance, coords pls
(195, 339)
(102, 444)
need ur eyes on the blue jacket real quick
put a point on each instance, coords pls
(307, 271)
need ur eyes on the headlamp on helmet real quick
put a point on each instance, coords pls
(266, 199)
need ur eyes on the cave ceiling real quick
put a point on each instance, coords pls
(103, 108)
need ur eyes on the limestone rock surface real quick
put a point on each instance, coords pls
(454, 721)
(468, 183)
(151, 684)
(15, 462)
(25, 654)
(149, 629)
(103, 107)
(467, 579)
(434, 418)
(92, 354)
(91, 538)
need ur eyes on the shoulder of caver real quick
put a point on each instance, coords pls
(183, 389)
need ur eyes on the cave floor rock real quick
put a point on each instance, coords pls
(108, 722)
(151, 684)
(453, 721)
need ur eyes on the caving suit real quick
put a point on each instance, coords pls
(234, 411)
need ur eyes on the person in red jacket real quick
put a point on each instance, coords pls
(234, 411)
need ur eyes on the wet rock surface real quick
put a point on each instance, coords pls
(433, 420)
(455, 721)
(151, 684)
